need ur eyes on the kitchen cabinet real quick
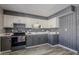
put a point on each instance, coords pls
(29, 22)
(43, 38)
(53, 39)
(29, 40)
(5, 43)
(18, 19)
(36, 39)
(53, 23)
(8, 21)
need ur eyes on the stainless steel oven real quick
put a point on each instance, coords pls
(18, 41)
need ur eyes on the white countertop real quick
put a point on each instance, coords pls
(37, 33)
(4, 34)
(31, 33)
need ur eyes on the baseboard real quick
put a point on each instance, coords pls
(63, 47)
(5, 51)
(67, 48)
(36, 45)
(52, 45)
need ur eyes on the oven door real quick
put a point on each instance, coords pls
(18, 41)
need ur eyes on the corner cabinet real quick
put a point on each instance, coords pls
(53, 39)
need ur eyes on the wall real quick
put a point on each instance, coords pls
(71, 37)
(77, 13)
(61, 12)
(67, 24)
(1, 20)
(68, 31)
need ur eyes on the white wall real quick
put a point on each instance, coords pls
(1, 20)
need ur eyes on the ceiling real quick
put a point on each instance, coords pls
(36, 9)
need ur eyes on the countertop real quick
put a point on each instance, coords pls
(31, 33)
(5, 35)
(39, 33)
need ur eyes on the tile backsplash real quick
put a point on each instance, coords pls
(8, 30)
(21, 28)
(41, 29)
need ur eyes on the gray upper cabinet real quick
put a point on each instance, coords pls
(5, 43)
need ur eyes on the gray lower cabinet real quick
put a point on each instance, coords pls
(43, 39)
(5, 43)
(36, 39)
(29, 40)
(53, 39)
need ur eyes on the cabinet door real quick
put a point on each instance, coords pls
(55, 39)
(35, 40)
(18, 19)
(40, 39)
(5, 43)
(29, 41)
(8, 21)
(45, 38)
(50, 39)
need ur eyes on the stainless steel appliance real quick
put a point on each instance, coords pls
(18, 38)
(18, 41)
